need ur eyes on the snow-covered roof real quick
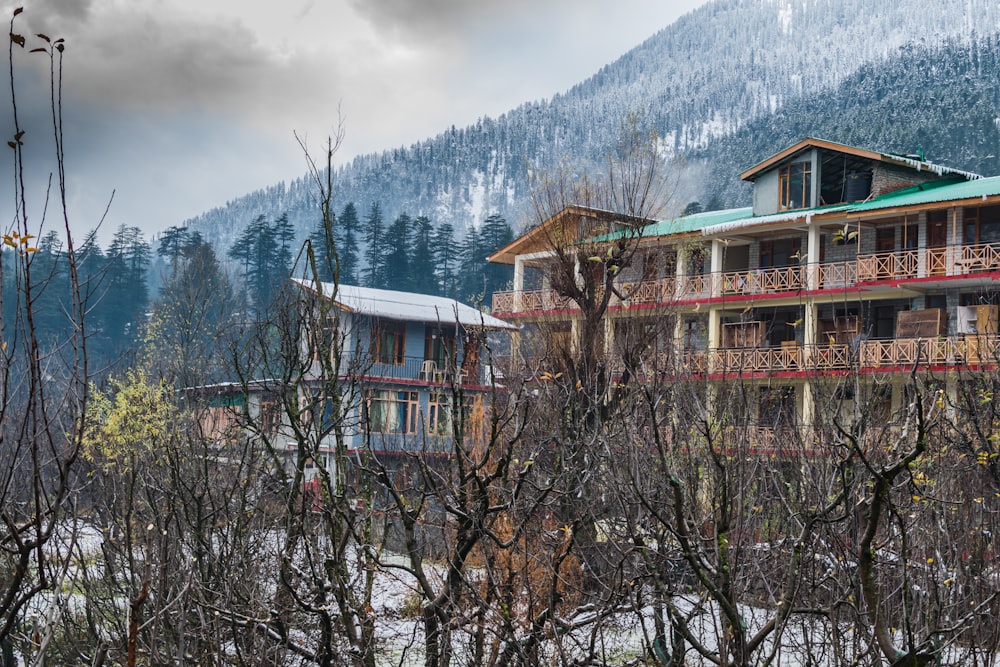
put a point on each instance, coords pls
(406, 306)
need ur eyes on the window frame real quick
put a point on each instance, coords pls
(786, 180)
(388, 342)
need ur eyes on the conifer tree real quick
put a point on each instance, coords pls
(470, 275)
(397, 255)
(496, 233)
(189, 316)
(172, 243)
(347, 244)
(422, 258)
(263, 249)
(375, 271)
(445, 253)
(284, 233)
(123, 305)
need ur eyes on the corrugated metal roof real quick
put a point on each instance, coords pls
(931, 193)
(406, 306)
(684, 225)
(935, 192)
(696, 222)
(784, 216)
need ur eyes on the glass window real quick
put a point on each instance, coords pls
(439, 414)
(439, 347)
(382, 417)
(794, 185)
(388, 342)
(393, 411)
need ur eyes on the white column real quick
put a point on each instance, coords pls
(717, 256)
(812, 257)
(518, 282)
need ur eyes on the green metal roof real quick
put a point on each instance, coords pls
(932, 193)
(951, 189)
(695, 222)
(685, 224)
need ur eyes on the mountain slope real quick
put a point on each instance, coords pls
(722, 68)
(942, 101)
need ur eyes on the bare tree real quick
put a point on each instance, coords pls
(43, 384)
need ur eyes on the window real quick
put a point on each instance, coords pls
(777, 407)
(439, 413)
(982, 225)
(325, 339)
(388, 342)
(439, 347)
(780, 252)
(269, 415)
(382, 416)
(393, 411)
(794, 185)
(885, 239)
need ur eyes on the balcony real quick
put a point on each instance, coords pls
(417, 370)
(869, 355)
(901, 265)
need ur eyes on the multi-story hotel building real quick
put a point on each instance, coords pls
(849, 262)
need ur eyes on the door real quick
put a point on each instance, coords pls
(937, 241)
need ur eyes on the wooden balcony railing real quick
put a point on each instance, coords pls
(864, 354)
(649, 291)
(694, 287)
(897, 265)
(763, 281)
(889, 265)
(837, 274)
(527, 301)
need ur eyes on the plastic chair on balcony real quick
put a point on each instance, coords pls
(428, 370)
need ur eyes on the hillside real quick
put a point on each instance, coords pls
(722, 70)
(942, 101)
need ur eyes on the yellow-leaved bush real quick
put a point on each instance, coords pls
(130, 419)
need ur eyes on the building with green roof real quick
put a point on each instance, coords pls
(848, 261)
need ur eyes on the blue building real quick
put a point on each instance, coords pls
(401, 362)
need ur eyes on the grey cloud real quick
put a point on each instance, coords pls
(430, 17)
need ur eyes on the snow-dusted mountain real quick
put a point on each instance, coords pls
(773, 68)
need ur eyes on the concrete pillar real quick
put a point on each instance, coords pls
(518, 282)
(718, 250)
(681, 271)
(812, 257)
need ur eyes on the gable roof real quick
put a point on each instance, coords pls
(404, 306)
(540, 237)
(890, 158)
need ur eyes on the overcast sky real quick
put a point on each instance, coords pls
(177, 106)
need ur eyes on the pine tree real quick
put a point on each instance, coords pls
(264, 265)
(123, 305)
(347, 245)
(470, 278)
(325, 250)
(496, 233)
(284, 236)
(445, 253)
(422, 279)
(171, 246)
(191, 311)
(397, 245)
(375, 273)
(48, 267)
